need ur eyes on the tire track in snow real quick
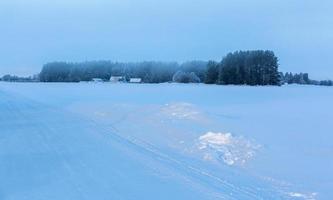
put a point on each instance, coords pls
(21, 113)
(172, 162)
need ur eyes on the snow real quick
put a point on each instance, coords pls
(219, 139)
(165, 141)
(232, 150)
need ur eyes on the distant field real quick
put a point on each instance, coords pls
(165, 141)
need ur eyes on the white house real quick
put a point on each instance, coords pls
(97, 80)
(135, 80)
(117, 79)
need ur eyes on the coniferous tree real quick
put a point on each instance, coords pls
(211, 72)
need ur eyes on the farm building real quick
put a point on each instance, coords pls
(97, 80)
(117, 79)
(135, 80)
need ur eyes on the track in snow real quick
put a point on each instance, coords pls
(47, 153)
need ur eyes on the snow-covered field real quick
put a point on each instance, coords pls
(165, 141)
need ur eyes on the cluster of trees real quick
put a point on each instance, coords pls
(245, 68)
(149, 72)
(290, 78)
(185, 77)
(303, 79)
(324, 82)
(13, 78)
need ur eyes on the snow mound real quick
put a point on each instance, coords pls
(224, 146)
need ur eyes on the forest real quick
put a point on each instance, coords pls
(239, 68)
(148, 71)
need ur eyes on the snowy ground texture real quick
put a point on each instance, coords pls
(165, 141)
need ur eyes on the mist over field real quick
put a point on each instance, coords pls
(35, 32)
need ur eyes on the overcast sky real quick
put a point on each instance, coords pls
(34, 32)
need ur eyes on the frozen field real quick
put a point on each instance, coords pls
(165, 141)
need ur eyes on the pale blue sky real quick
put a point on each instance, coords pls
(35, 32)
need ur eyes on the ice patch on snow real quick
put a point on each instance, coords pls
(298, 195)
(181, 111)
(226, 147)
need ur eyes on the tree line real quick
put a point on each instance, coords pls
(149, 72)
(238, 68)
(303, 79)
(14, 78)
(241, 67)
